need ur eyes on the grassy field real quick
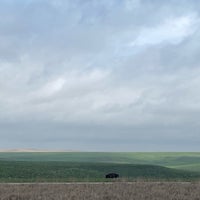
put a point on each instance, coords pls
(183, 160)
(29, 171)
(102, 191)
(91, 166)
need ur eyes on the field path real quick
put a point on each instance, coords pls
(97, 183)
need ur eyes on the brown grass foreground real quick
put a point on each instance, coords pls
(102, 191)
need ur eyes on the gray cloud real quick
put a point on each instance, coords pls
(99, 75)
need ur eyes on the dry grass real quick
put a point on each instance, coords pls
(102, 191)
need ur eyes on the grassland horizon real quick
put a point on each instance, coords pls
(92, 166)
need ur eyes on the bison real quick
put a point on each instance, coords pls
(112, 175)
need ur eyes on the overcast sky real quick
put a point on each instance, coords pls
(100, 75)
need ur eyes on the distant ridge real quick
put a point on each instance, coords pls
(35, 150)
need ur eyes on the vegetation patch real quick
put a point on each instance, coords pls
(116, 191)
(27, 171)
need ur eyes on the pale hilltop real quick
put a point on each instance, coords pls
(32, 150)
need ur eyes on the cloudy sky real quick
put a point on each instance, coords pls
(94, 75)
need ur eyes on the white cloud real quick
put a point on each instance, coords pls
(51, 88)
(172, 30)
(98, 64)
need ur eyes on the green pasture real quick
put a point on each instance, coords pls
(180, 160)
(48, 171)
(92, 166)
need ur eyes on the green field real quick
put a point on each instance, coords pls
(183, 160)
(92, 166)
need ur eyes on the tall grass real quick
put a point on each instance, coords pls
(102, 191)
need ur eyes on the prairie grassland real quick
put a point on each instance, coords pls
(102, 191)
(29, 171)
(178, 160)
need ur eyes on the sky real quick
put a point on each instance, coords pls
(100, 75)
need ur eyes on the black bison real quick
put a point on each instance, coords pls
(112, 175)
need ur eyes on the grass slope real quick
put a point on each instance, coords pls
(183, 160)
(29, 171)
